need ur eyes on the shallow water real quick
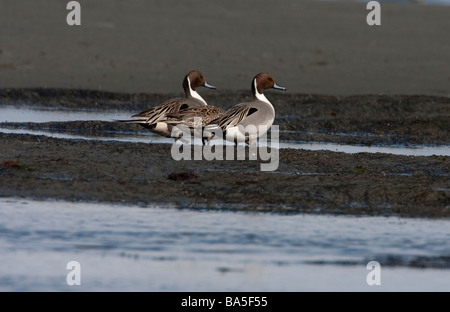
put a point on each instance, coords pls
(165, 249)
(24, 114)
(13, 114)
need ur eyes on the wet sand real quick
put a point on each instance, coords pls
(129, 173)
(347, 83)
(305, 181)
(321, 47)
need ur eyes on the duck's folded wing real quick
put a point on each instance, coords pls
(159, 112)
(234, 115)
(195, 116)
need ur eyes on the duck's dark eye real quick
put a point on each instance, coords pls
(270, 79)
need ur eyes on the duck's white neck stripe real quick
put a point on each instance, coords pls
(194, 93)
(259, 96)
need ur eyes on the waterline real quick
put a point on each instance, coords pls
(127, 248)
(312, 146)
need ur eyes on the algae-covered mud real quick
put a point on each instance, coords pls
(85, 168)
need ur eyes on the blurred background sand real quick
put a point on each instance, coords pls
(148, 46)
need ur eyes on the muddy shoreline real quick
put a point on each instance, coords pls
(136, 173)
(363, 119)
(322, 182)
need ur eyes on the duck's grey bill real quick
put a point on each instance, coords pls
(275, 86)
(209, 86)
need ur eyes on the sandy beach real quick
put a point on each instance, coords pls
(316, 47)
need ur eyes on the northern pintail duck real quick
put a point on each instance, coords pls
(155, 118)
(259, 112)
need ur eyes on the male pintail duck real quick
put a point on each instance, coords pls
(259, 112)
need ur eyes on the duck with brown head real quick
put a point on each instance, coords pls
(259, 113)
(154, 118)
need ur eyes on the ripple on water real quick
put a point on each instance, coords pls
(200, 247)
